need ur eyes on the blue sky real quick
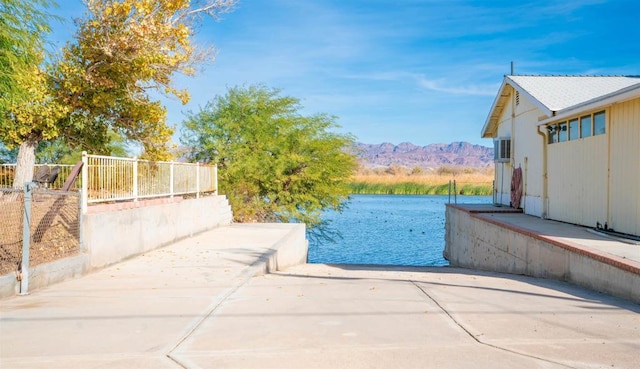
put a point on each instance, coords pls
(420, 71)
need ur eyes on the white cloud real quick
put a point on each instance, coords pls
(443, 86)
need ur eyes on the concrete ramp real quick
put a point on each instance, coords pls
(205, 302)
(132, 314)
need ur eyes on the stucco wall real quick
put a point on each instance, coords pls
(471, 241)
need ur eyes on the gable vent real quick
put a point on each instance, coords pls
(517, 98)
(502, 150)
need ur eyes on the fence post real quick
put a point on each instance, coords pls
(197, 180)
(84, 199)
(215, 179)
(455, 192)
(26, 239)
(135, 179)
(171, 179)
(493, 191)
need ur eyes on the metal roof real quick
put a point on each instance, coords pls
(553, 94)
(560, 92)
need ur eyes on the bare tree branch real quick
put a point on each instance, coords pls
(212, 8)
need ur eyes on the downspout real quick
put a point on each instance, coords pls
(501, 183)
(608, 133)
(525, 180)
(545, 141)
(512, 147)
(513, 128)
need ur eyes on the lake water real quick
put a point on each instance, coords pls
(389, 230)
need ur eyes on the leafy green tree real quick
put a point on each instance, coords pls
(28, 113)
(58, 151)
(274, 164)
(23, 23)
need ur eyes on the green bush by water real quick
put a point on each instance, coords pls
(412, 188)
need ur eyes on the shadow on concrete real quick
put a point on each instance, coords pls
(579, 294)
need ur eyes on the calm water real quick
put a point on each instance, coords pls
(389, 230)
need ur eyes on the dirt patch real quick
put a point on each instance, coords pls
(54, 229)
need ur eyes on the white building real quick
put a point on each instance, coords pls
(577, 142)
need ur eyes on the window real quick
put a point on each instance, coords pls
(562, 132)
(599, 123)
(585, 126)
(574, 129)
(553, 133)
(577, 128)
(502, 150)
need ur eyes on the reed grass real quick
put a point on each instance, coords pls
(476, 184)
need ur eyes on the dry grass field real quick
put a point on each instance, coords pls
(400, 180)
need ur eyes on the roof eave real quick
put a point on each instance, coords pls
(543, 108)
(619, 96)
(490, 124)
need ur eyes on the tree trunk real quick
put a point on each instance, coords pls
(25, 163)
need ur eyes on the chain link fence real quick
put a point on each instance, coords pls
(11, 215)
(53, 223)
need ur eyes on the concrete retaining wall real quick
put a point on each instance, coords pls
(475, 243)
(46, 274)
(114, 232)
(290, 250)
(112, 236)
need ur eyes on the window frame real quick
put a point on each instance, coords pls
(563, 131)
(553, 133)
(604, 123)
(574, 124)
(584, 126)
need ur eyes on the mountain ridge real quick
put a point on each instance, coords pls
(431, 156)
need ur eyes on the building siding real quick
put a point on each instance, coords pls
(577, 187)
(528, 146)
(504, 170)
(526, 149)
(624, 196)
(585, 181)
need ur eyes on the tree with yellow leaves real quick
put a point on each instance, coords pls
(123, 50)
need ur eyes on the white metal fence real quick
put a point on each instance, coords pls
(111, 179)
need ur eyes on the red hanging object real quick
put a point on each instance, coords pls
(516, 188)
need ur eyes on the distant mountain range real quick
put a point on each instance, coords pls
(431, 156)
